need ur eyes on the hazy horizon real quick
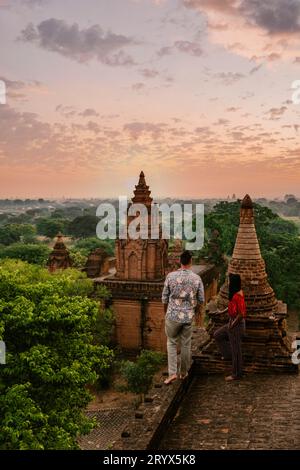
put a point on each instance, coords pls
(155, 198)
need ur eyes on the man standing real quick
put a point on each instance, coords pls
(182, 296)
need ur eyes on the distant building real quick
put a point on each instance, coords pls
(59, 258)
(99, 263)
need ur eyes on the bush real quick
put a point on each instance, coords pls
(79, 259)
(139, 374)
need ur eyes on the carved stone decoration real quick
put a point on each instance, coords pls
(59, 258)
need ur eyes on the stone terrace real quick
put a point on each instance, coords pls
(259, 412)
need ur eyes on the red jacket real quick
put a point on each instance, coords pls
(237, 306)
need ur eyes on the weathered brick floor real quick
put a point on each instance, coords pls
(110, 424)
(259, 412)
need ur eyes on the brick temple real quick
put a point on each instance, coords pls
(137, 283)
(59, 258)
(99, 263)
(142, 260)
(266, 347)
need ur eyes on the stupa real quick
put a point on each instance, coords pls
(59, 258)
(265, 347)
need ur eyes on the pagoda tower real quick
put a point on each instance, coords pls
(59, 258)
(141, 259)
(136, 286)
(248, 263)
(142, 192)
(265, 348)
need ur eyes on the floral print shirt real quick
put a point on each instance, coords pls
(182, 290)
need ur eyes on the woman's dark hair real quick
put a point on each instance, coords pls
(235, 284)
(185, 258)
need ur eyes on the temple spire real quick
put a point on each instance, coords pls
(246, 244)
(247, 261)
(142, 192)
(247, 203)
(142, 181)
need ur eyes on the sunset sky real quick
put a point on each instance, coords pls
(197, 93)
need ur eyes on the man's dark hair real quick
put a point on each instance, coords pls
(235, 284)
(185, 258)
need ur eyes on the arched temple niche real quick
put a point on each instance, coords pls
(133, 268)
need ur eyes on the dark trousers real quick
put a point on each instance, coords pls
(229, 341)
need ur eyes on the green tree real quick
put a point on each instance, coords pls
(78, 257)
(83, 226)
(32, 253)
(50, 227)
(87, 245)
(47, 323)
(12, 233)
(139, 374)
(105, 323)
(282, 226)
